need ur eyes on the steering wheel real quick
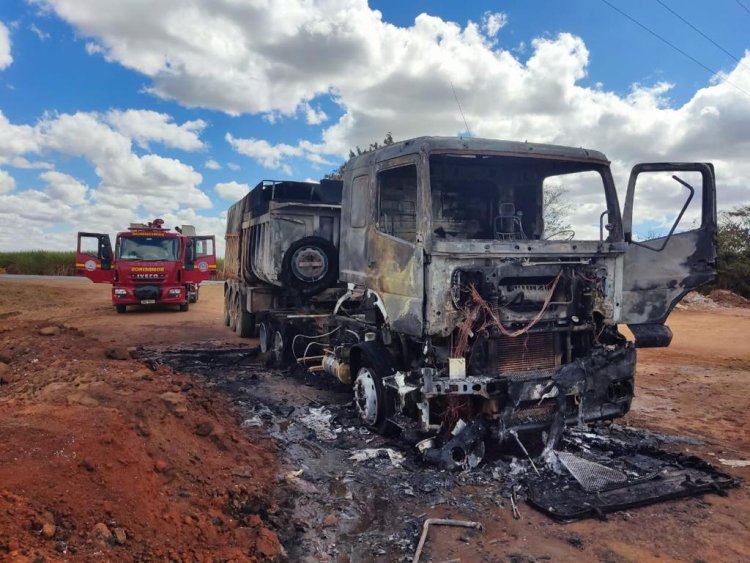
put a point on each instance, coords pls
(564, 234)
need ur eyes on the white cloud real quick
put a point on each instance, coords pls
(5, 56)
(313, 116)
(493, 22)
(276, 58)
(211, 164)
(64, 188)
(233, 166)
(231, 190)
(268, 155)
(129, 185)
(146, 126)
(7, 182)
(41, 34)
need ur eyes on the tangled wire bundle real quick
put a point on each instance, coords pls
(478, 315)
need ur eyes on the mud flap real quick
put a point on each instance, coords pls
(652, 478)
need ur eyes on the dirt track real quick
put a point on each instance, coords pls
(89, 440)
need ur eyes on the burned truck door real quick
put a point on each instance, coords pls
(658, 272)
(394, 249)
(94, 257)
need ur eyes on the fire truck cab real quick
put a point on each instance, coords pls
(149, 265)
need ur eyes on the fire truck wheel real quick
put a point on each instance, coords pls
(310, 265)
(185, 306)
(245, 324)
(194, 295)
(370, 398)
(121, 308)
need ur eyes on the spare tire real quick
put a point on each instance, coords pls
(310, 265)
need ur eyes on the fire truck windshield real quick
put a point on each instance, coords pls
(148, 248)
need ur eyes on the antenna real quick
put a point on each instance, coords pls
(459, 109)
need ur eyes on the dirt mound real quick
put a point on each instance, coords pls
(728, 298)
(695, 301)
(105, 458)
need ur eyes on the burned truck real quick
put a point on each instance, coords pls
(440, 282)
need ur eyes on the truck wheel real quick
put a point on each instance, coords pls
(227, 306)
(194, 295)
(121, 308)
(185, 306)
(264, 336)
(278, 348)
(370, 399)
(310, 265)
(233, 310)
(245, 324)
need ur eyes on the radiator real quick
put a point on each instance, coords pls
(534, 351)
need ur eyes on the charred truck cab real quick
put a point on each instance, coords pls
(464, 305)
(149, 265)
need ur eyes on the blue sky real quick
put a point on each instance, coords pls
(292, 104)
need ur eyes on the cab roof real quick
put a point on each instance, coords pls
(473, 145)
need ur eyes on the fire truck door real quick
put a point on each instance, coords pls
(204, 259)
(94, 257)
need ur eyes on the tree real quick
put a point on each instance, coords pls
(556, 209)
(733, 251)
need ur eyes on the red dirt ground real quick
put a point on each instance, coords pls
(102, 458)
(88, 442)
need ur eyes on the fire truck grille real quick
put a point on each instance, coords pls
(147, 292)
(535, 351)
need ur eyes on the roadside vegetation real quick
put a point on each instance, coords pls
(38, 263)
(49, 263)
(733, 251)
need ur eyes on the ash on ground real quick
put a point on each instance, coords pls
(349, 492)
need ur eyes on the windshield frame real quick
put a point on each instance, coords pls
(156, 255)
(612, 221)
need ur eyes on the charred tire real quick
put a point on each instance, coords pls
(121, 308)
(227, 305)
(245, 324)
(370, 397)
(265, 334)
(310, 265)
(279, 347)
(233, 310)
(185, 306)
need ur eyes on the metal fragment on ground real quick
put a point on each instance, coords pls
(319, 421)
(395, 457)
(440, 522)
(590, 475)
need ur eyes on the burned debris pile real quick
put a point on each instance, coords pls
(585, 471)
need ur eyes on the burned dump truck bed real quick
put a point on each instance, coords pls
(457, 297)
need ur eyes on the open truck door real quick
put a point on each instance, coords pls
(659, 271)
(200, 259)
(94, 257)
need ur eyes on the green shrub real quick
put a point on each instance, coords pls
(38, 263)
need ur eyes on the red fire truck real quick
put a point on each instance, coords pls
(150, 265)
